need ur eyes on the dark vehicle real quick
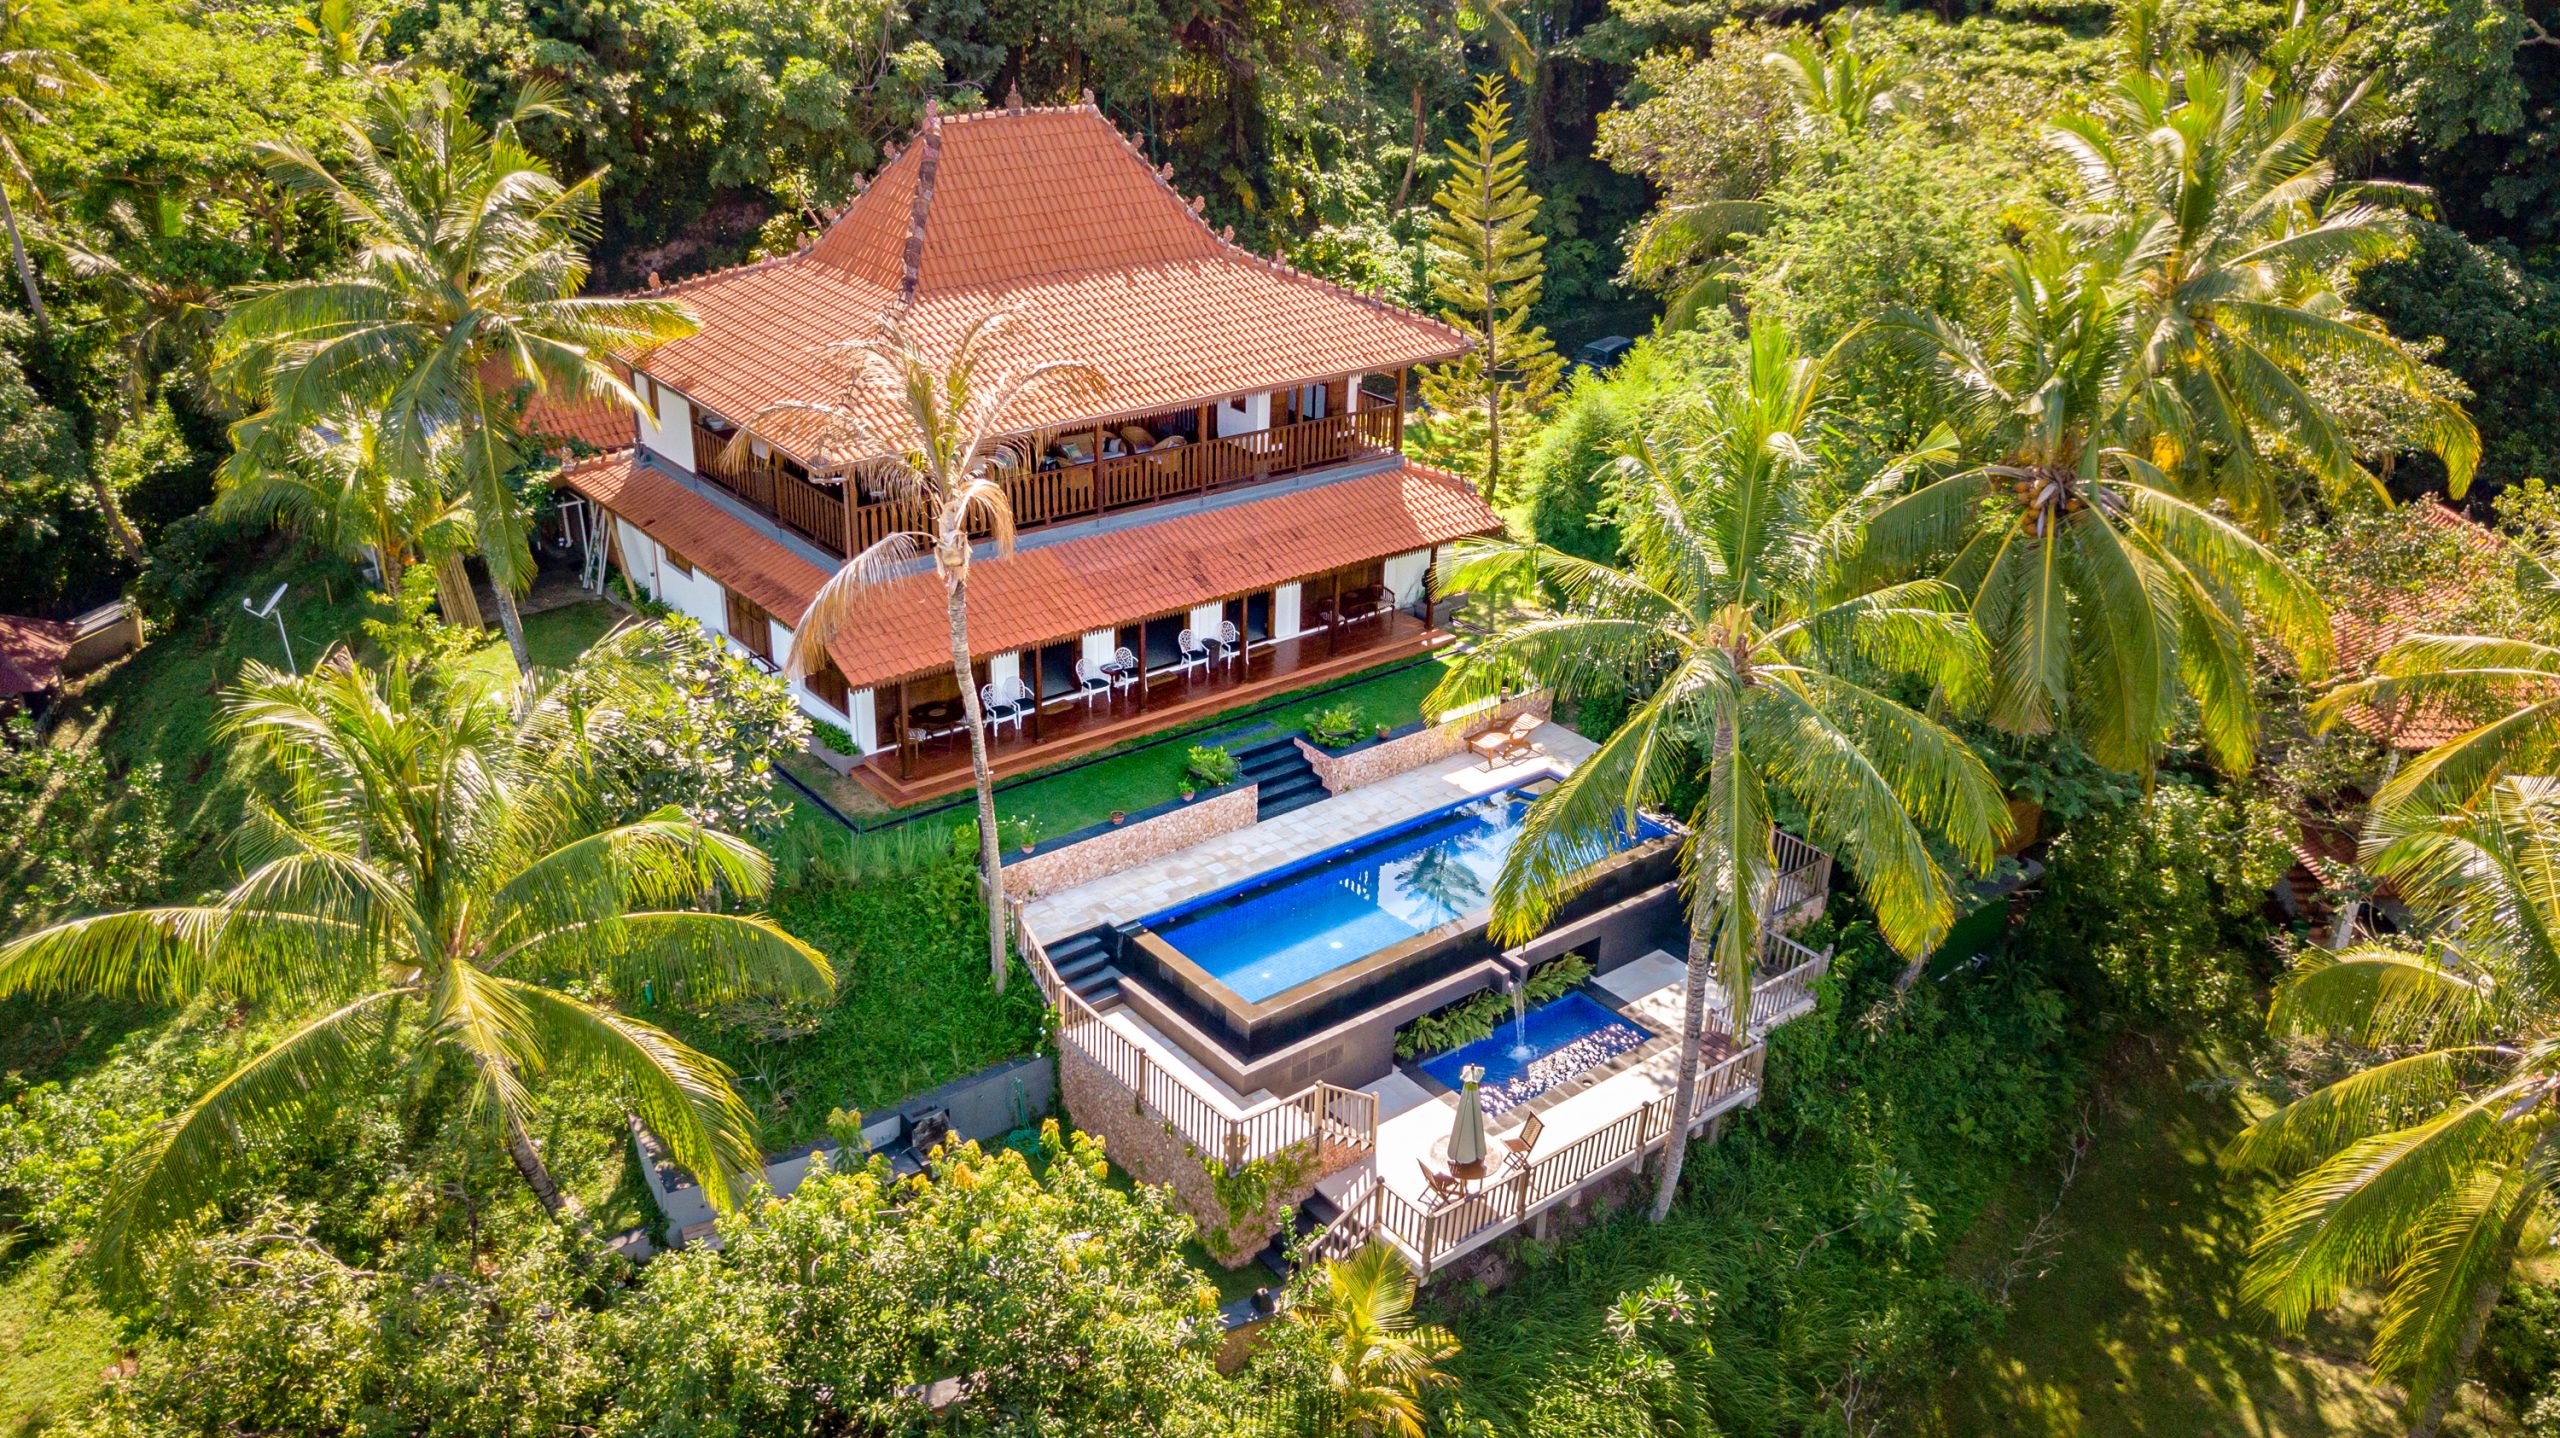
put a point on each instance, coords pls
(1603, 354)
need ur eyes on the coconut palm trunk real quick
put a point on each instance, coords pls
(536, 1173)
(1693, 1017)
(26, 271)
(511, 619)
(981, 769)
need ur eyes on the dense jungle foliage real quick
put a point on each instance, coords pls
(1849, 1259)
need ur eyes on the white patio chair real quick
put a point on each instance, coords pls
(1091, 678)
(1125, 666)
(1193, 653)
(999, 705)
(1230, 640)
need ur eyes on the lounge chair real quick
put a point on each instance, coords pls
(1507, 744)
(1093, 680)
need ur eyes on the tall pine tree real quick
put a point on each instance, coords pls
(1487, 267)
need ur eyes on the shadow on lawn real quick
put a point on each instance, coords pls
(2138, 1326)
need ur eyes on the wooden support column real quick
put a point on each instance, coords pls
(844, 498)
(1399, 420)
(1333, 631)
(906, 737)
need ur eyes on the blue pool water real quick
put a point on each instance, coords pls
(1563, 1039)
(1278, 931)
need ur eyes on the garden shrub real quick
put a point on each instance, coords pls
(1333, 727)
(834, 736)
(83, 839)
(2160, 903)
(1211, 768)
(711, 736)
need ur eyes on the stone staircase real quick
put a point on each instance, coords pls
(1287, 781)
(1084, 965)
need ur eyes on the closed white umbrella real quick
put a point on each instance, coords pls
(1466, 1140)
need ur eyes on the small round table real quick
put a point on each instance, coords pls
(934, 714)
(1463, 1172)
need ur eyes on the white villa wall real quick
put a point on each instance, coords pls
(669, 432)
(1099, 645)
(1245, 416)
(1205, 619)
(1284, 612)
(864, 721)
(1404, 575)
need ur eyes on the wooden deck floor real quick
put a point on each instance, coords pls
(1071, 726)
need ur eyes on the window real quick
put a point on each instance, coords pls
(677, 562)
(829, 686)
(750, 626)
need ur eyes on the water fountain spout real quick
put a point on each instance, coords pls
(1519, 1018)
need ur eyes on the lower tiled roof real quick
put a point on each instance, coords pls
(31, 652)
(709, 537)
(2369, 619)
(1049, 592)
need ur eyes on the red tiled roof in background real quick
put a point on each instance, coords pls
(1055, 592)
(1052, 592)
(605, 422)
(2370, 620)
(31, 652)
(1051, 216)
(708, 536)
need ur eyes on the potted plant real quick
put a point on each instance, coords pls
(1186, 793)
(1119, 816)
(1383, 731)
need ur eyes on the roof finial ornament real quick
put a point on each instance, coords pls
(653, 279)
(1088, 100)
(1013, 99)
(1227, 233)
(932, 112)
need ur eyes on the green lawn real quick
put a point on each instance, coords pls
(163, 703)
(54, 1339)
(554, 637)
(2137, 1326)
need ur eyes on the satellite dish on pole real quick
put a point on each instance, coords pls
(269, 611)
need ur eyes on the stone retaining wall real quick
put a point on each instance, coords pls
(1350, 770)
(1150, 1151)
(1141, 842)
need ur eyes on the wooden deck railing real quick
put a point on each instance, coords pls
(1804, 875)
(1080, 491)
(1327, 1112)
(1789, 992)
(1432, 1236)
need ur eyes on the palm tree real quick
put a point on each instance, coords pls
(2423, 1172)
(1377, 1359)
(469, 259)
(160, 325)
(2103, 589)
(428, 873)
(30, 76)
(343, 492)
(1755, 648)
(2209, 191)
(953, 418)
(1837, 83)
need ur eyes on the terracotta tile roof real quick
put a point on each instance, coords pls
(1053, 592)
(31, 652)
(1052, 216)
(709, 537)
(1050, 592)
(604, 423)
(2368, 620)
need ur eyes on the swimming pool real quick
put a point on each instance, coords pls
(1273, 933)
(1552, 1043)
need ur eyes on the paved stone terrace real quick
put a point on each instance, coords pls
(1230, 858)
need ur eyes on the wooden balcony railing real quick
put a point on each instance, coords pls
(817, 512)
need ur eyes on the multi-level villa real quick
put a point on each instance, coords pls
(1231, 512)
